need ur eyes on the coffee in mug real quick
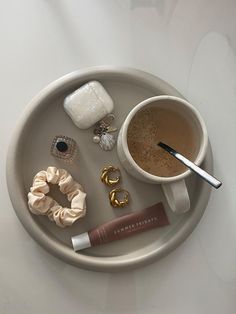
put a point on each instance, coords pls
(152, 125)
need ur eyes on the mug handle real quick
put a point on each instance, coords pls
(177, 196)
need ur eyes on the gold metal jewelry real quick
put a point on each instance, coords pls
(105, 176)
(114, 201)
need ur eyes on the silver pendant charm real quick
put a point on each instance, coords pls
(107, 141)
(102, 133)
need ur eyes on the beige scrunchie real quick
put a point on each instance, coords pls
(40, 204)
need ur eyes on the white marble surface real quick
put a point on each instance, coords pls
(192, 45)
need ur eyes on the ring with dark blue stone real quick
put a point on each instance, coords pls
(61, 146)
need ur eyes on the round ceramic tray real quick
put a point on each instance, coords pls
(29, 152)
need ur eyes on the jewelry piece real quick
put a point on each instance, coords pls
(102, 132)
(108, 119)
(96, 139)
(105, 176)
(114, 201)
(107, 141)
(111, 128)
(42, 204)
(64, 147)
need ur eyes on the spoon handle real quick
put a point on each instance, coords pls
(202, 173)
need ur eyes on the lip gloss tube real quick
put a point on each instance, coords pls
(122, 227)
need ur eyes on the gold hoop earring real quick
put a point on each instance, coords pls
(114, 201)
(105, 176)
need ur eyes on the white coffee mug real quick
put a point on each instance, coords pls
(174, 187)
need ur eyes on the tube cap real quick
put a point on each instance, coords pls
(81, 241)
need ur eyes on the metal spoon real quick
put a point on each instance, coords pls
(202, 173)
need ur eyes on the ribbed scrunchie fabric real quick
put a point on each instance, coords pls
(41, 204)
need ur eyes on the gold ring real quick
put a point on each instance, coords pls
(114, 201)
(105, 176)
